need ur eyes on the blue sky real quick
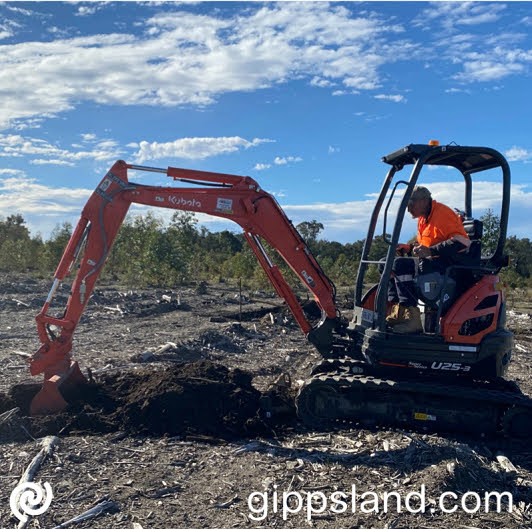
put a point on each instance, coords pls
(305, 97)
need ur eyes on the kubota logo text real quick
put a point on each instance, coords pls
(181, 201)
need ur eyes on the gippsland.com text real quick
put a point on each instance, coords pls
(311, 503)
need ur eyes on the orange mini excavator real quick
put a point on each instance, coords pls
(450, 376)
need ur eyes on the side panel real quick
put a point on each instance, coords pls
(475, 314)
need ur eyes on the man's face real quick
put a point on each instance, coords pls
(418, 208)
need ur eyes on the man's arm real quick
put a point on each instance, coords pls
(456, 244)
(449, 248)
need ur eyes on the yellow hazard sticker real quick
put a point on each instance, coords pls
(424, 417)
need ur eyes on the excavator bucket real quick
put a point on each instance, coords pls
(53, 395)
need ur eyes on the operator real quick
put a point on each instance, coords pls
(441, 242)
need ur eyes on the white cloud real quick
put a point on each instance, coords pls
(457, 91)
(450, 15)
(454, 46)
(287, 159)
(7, 28)
(332, 149)
(84, 11)
(5, 32)
(348, 221)
(16, 146)
(29, 123)
(261, 166)
(194, 148)
(482, 57)
(518, 154)
(26, 195)
(41, 206)
(485, 70)
(41, 161)
(322, 83)
(395, 98)
(184, 58)
(11, 172)
(18, 10)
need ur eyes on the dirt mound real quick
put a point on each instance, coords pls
(200, 397)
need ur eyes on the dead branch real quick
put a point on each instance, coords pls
(266, 302)
(115, 309)
(18, 302)
(506, 464)
(6, 416)
(22, 353)
(417, 441)
(91, 513)
(163, 348)
(227, 503)
(48, 444)
(166, 492)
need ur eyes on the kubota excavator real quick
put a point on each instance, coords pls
(450, 376)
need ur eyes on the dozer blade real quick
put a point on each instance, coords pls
(51, 397)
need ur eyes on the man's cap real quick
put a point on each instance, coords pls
(419, 193)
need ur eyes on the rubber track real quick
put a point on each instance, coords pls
(477, 404)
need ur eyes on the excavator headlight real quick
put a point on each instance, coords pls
(434, 143)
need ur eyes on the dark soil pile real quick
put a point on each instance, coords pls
(201, 397)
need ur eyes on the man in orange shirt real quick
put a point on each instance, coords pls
(441, 242)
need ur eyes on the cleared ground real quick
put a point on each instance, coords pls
(199, 469)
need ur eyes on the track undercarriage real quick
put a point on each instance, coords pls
(341, 391)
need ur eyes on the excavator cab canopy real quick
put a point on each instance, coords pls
(468, 160)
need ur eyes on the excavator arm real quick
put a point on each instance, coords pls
(233, 197)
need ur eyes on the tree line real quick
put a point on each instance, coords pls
(147, 251)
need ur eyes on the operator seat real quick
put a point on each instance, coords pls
(435, 290)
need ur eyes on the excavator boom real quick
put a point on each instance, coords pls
(233, 197)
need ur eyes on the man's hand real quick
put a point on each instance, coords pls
(421, 251)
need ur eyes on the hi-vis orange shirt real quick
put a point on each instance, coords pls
(441, 225)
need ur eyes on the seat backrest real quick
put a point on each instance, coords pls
(473, 228)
